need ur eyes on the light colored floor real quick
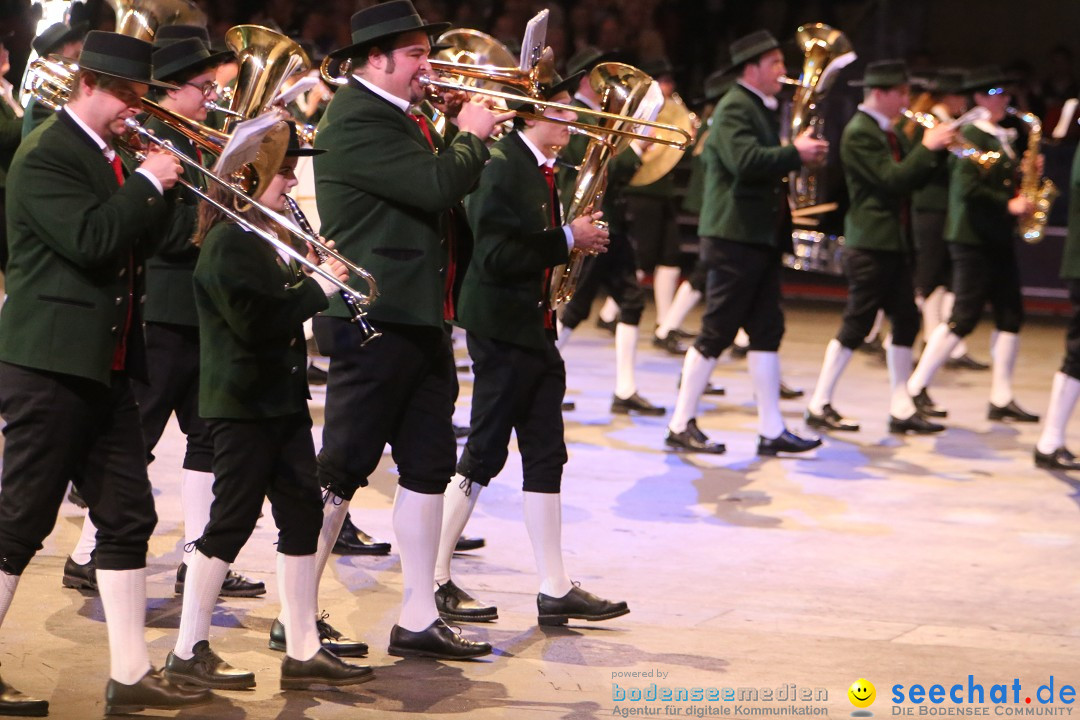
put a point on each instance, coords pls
(900, 560)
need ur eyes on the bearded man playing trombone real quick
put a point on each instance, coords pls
(385, 189)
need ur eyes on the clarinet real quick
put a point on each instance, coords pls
(359, 317)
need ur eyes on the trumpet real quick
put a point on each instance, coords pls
(359, 317)
(137, 130)
(961, 148)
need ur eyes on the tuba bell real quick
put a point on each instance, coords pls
(825, 51)
(267, 58)
(142, 18)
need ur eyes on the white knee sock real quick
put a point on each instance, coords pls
(562, 334)
(457, 509)
(334, 511)
(8, 583)
(695, 376)
(1003, 354)
(626, 337)
(931, 310)
(417, 524)
(741, 339)
(87, 541)
(123, 597)
(765, 374)
(665, 282)
(543, 520)
(832, 367)
(898, 359)
(938, 346)
(1063, 396)
(296, 575)
(686, 298)
(609, 310)
(202, 584)
(196, 496)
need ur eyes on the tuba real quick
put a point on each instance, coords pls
(659, 159)
(1040, 191)
(625, 91)
(267, 58)
(142, 18)
(825, 51)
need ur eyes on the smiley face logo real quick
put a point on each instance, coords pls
(862, 693)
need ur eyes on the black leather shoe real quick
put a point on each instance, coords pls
(916, 424)
(739, 351)
(235, 584)
(577, 604)
(682, 334)
(465, 544)
(790, 393)
(927, 407)
(438, 641)
(13, 702)
(354, 541)
(331, 640)
(454, 603)
(829, 419)
(786, 442)
(461, 431)
(323, 668)
(568, 406)
(76, 498)
(1012, 411)
(1060, 459)
(80, 577)
(634, 405)
(671, 344)
(206, 669)
(608, 326)
(151, 692)
(316, 375)
(711, 389)
(965, 362)
(693, 440)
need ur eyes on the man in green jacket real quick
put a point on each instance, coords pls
(1050, 450)
(520, 376)
(981, 229)
(745, 225)
(616, 270)
(70, 344)
(386, 189)
(881, 171)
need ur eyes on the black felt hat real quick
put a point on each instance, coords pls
(752, 46)
(121, 56)
(586, 59)
(988, 77)
(295, 149)
(658, 67)
(883, 74)
(385, 20)
(948, 81)
(718, 83)
(57, 35)
(167, 34)
(184, 56)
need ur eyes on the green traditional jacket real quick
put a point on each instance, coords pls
(979, 199)
(252, 306)
(516, 243)
(934, 195)
(169, 296)
(619, 171)
(10, 137)
(77, 243)
(1070, 260)
(34, 115)
(389, 202)
(745, 196)
(879, 186)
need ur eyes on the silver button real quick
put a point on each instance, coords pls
(119, 301)
(295, 369)
(113, 329)
(292, 342)
(138, 270)
(123, 272)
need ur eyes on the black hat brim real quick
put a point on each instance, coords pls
(349, 51)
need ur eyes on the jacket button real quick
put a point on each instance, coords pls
(119, 301)
(138, 270)
(123, 272)
(113, 329)
(151, 201)
(295, 369)
(292, 342)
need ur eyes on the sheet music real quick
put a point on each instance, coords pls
(295, 90)
(244, 143)
(534, 41)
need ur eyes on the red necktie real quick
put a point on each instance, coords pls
(549, 177)
(905, 206)
(451, 260)
(120, 354)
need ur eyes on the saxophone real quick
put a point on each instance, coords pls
(1040, 191)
